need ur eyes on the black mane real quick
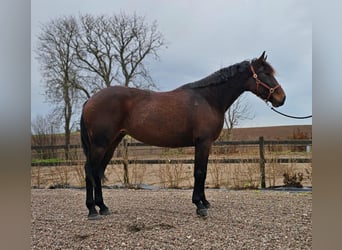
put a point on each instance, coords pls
(219, 76)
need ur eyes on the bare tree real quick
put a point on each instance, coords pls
(134, 40)
(56, 55)
(115, 48)
(81, 56)
(238, 111)
(94, 51)
(43, 129)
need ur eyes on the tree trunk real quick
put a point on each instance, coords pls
(67, 137)
(67, 117)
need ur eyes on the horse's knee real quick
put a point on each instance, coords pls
(200, 174)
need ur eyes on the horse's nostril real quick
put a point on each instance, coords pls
(283, 100)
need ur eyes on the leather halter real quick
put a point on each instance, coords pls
(258, 82)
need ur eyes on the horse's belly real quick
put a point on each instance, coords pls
(162, 137)
(164, 131)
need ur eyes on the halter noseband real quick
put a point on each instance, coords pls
(258, 82)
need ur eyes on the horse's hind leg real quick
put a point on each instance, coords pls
(93, 182)
(92, 176)
(90, 203)
(99, 198)
(98, 184)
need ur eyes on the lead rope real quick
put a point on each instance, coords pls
(271, 91)
(290, 116)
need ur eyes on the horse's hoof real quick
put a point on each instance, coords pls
(94, 216)
(105, 212)
(206, 204)
(202, 212)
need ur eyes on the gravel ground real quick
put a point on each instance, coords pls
(166, 219)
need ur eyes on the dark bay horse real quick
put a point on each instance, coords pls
(191, 115)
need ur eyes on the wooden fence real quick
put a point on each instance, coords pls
(256, 152)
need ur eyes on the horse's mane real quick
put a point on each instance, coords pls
(224, 74)
(219, 76)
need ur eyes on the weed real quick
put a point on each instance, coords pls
(80, 175)
(246, 176)
(216, 173)
(136, 174)
(273, 170)
(60, 176)
(293, 180)
(172, 175)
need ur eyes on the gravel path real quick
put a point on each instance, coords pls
(166, 219)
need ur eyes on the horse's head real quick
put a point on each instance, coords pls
(263, 83)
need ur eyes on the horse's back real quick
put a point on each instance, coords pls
(112, 94)
(110, 100)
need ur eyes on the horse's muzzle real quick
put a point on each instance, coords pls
(277, 102)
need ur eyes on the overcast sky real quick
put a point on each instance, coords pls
(204, 36)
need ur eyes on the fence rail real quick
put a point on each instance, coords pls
(173, 161)
(255, 151)
(220, 143)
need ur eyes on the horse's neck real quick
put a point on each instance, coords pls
(230, 97)
(226, 93)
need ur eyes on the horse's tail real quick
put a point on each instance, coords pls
(86, 149)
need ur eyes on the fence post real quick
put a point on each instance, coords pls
(262, 161)
(125, 162)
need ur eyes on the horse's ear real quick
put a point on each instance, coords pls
(262, 58)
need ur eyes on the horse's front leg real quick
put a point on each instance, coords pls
(200, 174)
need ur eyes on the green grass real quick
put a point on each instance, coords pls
(47, 161)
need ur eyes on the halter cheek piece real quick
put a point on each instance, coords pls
(258, 82)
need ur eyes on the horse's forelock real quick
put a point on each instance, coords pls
(267, 67)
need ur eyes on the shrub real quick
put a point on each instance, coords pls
(293, 180)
